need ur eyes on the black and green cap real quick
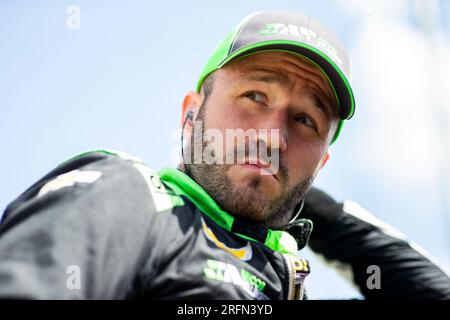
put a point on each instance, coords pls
(295, 33)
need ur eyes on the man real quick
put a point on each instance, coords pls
(104, 226)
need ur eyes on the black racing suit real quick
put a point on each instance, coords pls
(105, 226)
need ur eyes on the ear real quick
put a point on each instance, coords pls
(325, 159)
(191, 102)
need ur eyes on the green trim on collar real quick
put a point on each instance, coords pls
(182, 184)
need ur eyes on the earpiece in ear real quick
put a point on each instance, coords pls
(190, 115)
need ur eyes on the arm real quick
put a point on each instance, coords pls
(94, 213)
(348, 234)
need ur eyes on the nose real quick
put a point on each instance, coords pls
(276, 124)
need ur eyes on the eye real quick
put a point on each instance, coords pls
(304, 119)
(255, 96)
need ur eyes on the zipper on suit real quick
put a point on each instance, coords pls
(298, 270)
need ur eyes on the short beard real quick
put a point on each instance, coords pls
(245, 202)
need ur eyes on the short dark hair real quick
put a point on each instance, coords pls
(207, 88)
(208, 85)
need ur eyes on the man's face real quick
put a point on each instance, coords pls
(267, 90)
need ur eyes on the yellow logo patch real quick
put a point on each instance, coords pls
(244, 253)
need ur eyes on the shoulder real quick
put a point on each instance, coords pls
(100, 177)
(102, 168)
(102, 158)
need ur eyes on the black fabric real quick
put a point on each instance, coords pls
(301, 230)
(127, 248)
(341, 236)
(123, 246)
(257, 231)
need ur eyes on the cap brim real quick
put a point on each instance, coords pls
(339, 82)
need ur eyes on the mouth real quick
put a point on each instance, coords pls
(262, 167)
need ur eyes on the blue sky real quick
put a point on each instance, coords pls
(118, 83)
